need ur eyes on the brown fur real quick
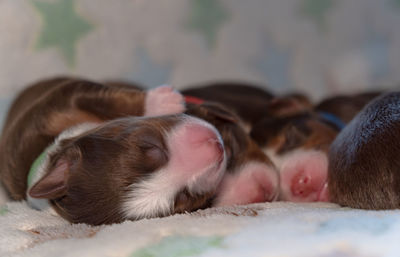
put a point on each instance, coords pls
(235, 96)
(250, 102)
(284, 134)
(364, 162)
(345, 107)
(26, 132)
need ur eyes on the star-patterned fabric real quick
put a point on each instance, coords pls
(62, 27)
(320, 47)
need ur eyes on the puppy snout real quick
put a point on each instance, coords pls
(200, 136)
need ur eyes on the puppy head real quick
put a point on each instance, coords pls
(298, 146)
(134, 168)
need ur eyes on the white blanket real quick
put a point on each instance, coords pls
(269, 229)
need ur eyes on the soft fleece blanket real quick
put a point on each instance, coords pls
(268, 229)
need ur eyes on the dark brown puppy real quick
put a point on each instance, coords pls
(364, 164)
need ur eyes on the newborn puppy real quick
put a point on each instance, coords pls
(118, 166)
(298, 143)
(250, 177)
(364, 160)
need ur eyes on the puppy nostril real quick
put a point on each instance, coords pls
(301, 188)
(304, 180)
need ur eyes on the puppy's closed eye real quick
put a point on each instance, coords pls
(154, 153)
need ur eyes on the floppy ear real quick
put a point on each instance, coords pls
(54, 183)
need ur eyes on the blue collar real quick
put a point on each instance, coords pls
(332, 119)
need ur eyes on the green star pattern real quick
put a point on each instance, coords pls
(62, 27)
(206, 17)
(316, 10)
(396, 3)
(180, 246)
(3, 210)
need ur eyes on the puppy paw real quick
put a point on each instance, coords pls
(252, 183)
(163, 100)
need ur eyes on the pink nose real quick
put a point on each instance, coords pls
(308, 186)
(303, 184)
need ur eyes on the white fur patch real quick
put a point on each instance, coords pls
(155, 196)
(276, 159)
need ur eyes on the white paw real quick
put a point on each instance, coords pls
(163, 100)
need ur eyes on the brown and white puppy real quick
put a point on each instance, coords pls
(119, 166)
(298, 144)
(364, 162)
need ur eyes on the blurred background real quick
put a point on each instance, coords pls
(320, 47)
